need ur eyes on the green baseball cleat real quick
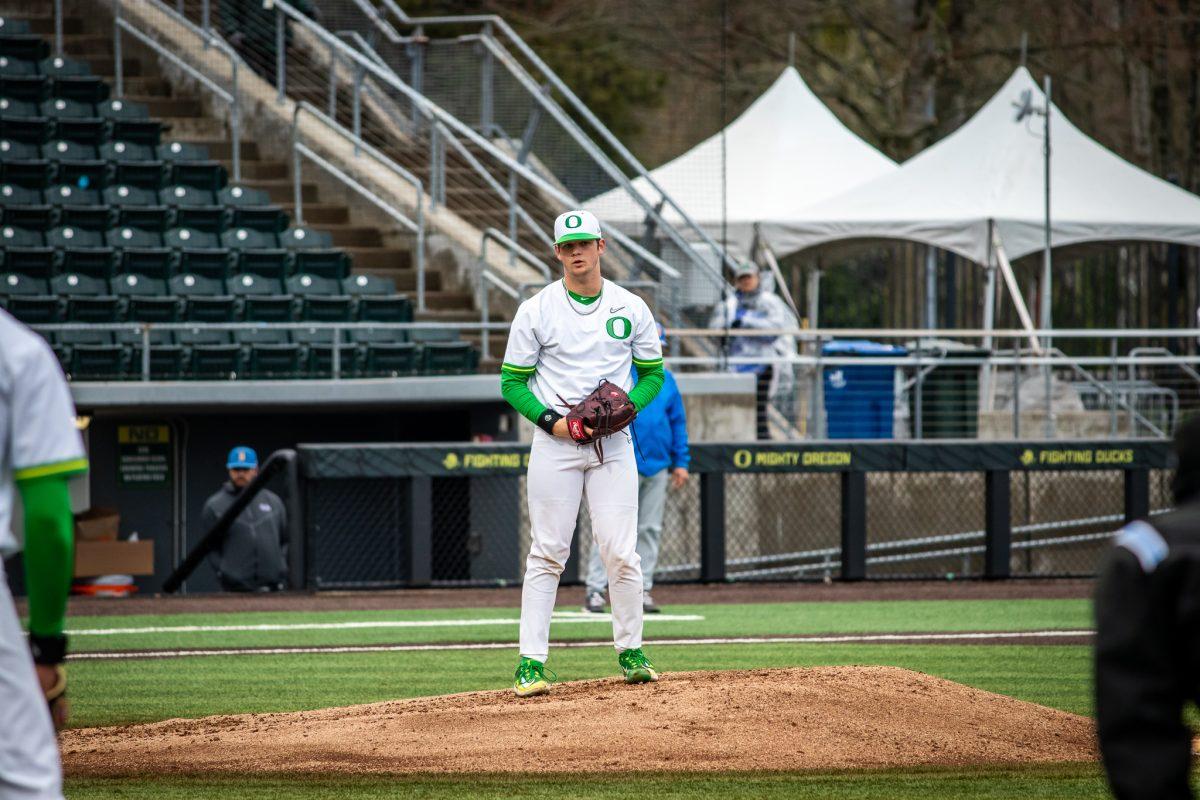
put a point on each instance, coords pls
(531, 678)
(636, 667)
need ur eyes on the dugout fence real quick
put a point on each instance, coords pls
(396, 515)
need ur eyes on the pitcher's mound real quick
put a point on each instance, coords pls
(776, 719)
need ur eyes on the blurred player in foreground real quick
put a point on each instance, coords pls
(564, 341)
(1148, 641)
(661, 448)
(40, 448)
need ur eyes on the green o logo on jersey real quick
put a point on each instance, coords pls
(619, 327)
(573, 221)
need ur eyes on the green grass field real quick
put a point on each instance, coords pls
(112, 692)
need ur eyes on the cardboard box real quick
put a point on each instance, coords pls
(97, 525)
(109, 558)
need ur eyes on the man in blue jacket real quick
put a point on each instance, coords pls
(661, 449)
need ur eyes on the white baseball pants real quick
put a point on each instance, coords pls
(29, 765)
(560, 473)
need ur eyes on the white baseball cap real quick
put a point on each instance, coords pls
(573, 226)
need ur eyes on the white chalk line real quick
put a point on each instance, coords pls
(561, 617)
(418, 648)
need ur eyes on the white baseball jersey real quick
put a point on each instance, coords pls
(573, 346)
(38, 437)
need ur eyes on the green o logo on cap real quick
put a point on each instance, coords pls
(619, 327)
(573, 221)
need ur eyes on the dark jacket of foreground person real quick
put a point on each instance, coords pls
(1148, 643)
(253, 555)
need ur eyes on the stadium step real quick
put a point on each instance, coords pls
(280, 189)
(169, 106)
(354, 235)
(82, 45)
(317, 214)
(374, 259)
(406, 278)
(44, 26)
(103, 65)
(255, 169)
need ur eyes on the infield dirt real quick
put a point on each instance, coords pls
(777, 719)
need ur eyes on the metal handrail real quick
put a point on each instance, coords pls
(1191, 373)
(581, 109)
(493, 235)
(434, 111)
(417, 226)
(209, 39)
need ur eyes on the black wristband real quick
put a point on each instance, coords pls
(546, 420)
(48, 650)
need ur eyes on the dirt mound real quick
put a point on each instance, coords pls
(778, 719)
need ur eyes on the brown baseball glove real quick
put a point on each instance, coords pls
(602, 413)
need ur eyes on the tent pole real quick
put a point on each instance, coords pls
(989, 321)
(1010, 282)
(1046, 316)
(930, 286)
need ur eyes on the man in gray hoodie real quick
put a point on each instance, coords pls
(252, 557)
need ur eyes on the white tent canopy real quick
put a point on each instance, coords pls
(992, 169)
(786, 151)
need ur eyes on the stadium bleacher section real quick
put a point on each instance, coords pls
(105, 219)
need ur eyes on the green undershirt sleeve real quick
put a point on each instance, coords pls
(514, 388)
(650, 380)
(49, 552)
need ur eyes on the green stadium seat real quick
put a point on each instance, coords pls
(91, 218)
(95, 262)
(13, 283)
(86, 130)
(274, 264)
(59, 67)
(68, 195)
(9, 26)
(213, 361)
(305, 238)
(64, 108)
(316, 354)
(166, 357)
(153, 262)
(10, 149)
(80, 88)
(148, 218)
(243, 196)
(182, 151)
(185, 196)
(127, 151)
(332, 264)
(273, 362)
(268, 219)
(34, 88)
(249, 239)
(142, 131)
(28, 46)
(11, 236)
(87, 298)
(127, 195)
(32, 129)
(145, 299)
(211, 219)
(16, 107)
(22, 207)
(72, 338)
(376, 299)
(17, 66)
(25, 251)
(448, 358)
(34, 309)
(128, 236)
(262, 299)
(96, 362)
(320, 300)
(34, 173)
(180, 238)
(190, 337)
(63, 150)
(72, 236)
(150, 175)
(204, 299)
(210, 176)
(213, 262)
(385, 354)
(82, 173)
(123, 110)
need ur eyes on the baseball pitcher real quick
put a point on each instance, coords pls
(567, 369)
(39, 449)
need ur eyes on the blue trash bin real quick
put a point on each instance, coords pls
(860, 400)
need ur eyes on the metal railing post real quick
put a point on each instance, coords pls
(297, 194)
(235, 122)
(205, 19)
(512, 214)
(918, 401)
(487, 80)
(280, 57)
(58, 28)
(416, 56)
(118, 66)
(333, 64)
(336, 365)
(1115, 372)
(1016, 387)
(356, 124)
(145, 352)
(484, 345)
(179, 7)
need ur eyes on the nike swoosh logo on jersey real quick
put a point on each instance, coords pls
(615, 310)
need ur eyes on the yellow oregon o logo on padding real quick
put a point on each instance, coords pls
(742, 458)
(450, 461)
